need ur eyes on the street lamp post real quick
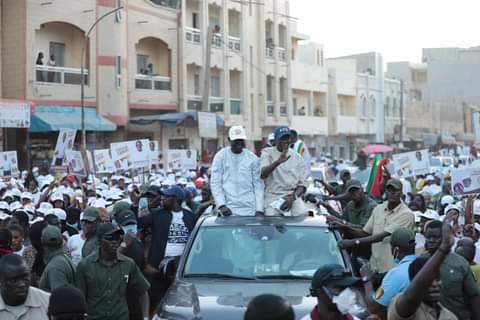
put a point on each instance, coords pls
(82, 87)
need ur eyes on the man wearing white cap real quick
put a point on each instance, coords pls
(432, 188)
(235, 183)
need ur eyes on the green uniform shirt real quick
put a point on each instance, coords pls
(89, 246)
(357, 217)
(458, 285)
(105, 287)
(58, 272)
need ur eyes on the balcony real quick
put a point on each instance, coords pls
(194, 103)
(234, 44)
(236, 106)
(217, 40)
(217, 104)
(283, 108)
(282, 54)
(59, 75)
(310, 125)
(269, 53)
(193, 35)
(173, 4)
(270, 108)
(150, 82)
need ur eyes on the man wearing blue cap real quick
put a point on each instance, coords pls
(236, 185)
(284, 173)
(171, 227)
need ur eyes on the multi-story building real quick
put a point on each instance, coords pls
(130, 67)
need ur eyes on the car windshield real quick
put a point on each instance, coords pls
(260, 251)
(447, 162)
(317, 174)
(435, 162)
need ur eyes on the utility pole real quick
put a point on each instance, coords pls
(82, 86)
(401, 113)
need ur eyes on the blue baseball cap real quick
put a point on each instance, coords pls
(174, 191)
(282, 131)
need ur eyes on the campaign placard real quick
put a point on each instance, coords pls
(411, 164)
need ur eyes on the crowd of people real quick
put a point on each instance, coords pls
(101, 246)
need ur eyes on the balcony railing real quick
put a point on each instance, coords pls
(270, 108)
(60, 75)
(234, 44)
(174, 4)
(193, 35)
(236, 106)
(150, 82)
(269, 53)
(282, 54)
(194, 103)
(217, 104)
(217, 40)
(283, 108)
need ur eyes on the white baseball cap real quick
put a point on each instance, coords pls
(26, 195)
(430, 215)
(476, 207)
(237, 133)
(271, 137)
(45, 208)
(4, 216)
(429, 178)
(60, 213)
(446, 200)
(4, 206)
(453, 207)
(57, 196)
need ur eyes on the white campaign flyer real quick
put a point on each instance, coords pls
(65, 141)
(410, 164)
(466, 181)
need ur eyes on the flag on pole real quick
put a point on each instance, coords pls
(376, 175)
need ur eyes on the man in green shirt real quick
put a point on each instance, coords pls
(357, 212)
(105, 277)
(59, 270)
(89, 222)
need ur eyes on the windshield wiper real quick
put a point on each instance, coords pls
(217, 276)
(284, 276)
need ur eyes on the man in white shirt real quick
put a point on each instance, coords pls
(284, 173)
(235, 183)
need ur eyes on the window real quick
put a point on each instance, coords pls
(364, 107)
(195, 20)
(142, 64)
(57, 50)
(118, 71)
(118, 14)
(387, 107)
(196, 84)
(215, 85)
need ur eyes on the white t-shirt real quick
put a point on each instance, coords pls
(75, 245)
(177, 236)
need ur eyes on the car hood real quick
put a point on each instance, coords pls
(218, 299)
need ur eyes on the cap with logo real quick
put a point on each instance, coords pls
(105, 229)
(237, 133)
(281, 132)
(125, 217)
(430, 214)
(403, 238)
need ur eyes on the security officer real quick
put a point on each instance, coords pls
(89, 224)
(60, 270)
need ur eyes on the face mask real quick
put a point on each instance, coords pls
(349, 302)
(143, 203)
(131, 228)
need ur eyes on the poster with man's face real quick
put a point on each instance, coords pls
(140, 153)
(122, 156)
(154, 153)
(8, 163)
(411, 164)
(182, 159)
(65, 141)
(103, 161)
(75, 163)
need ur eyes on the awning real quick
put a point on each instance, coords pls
(173, 119)
(54, 118)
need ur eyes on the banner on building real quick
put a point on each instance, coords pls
(8, 163)
(76, 165)
(103, 161)
(14, 115)
(466, 181)
(65, 141)
(122, 156)
(207, 125)
(182, 159)
(410, 164)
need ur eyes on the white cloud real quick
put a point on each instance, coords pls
(397, 28)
